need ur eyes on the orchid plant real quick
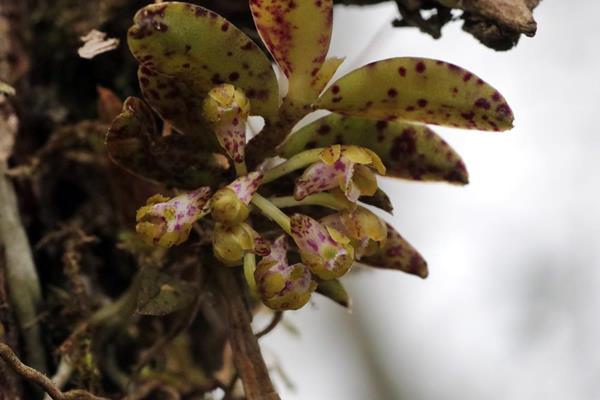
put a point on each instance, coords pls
(204, 78)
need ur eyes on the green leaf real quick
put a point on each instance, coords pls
(297, 33)
(200, 49)
(335, 291)
(380, 200)
(134, 143)
(398, 254)
(422, 90)
(161, 294)
(409, 151)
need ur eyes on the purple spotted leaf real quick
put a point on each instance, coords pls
(283, 286)
(334, 290)
(200, 49)
(380, 200)
(398, 254)
(420, 90)
(297, 33)
(409, 151)
(134, 143)
(324, 250)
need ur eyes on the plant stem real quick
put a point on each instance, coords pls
(244, 345)
(271, 211)
(240, 168)
(21, 275)
(320, 199)
(298, 161)
(249, 268)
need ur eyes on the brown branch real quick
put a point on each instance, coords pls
(40, 379)
(246, 352)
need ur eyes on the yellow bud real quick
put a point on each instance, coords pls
(230, 243)
(227, 208)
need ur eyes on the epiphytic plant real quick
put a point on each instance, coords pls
(204, 78)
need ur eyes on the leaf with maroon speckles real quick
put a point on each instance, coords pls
(380, 200)
(297, 33)
(134, 143)
(420, 90)
(409, 151)
(334, 290)
(177, 103)
(399, 255)
(199, 49)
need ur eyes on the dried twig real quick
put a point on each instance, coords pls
(42, 380)
(246, 352)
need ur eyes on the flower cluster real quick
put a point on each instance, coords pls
(205, 78)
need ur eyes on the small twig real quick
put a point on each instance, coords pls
(42, 380)
(62, 375)
(277, 317)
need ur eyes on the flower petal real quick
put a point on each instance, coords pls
(326, 257)
(317, 178)
(246, 186)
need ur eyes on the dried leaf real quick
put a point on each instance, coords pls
(161, 294)
(178, 160)
(399, 255)
(200, 49)
(420, 90)
(409, 151)
(297, 33)
(94, 43)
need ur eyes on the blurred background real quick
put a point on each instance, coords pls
(510, 309)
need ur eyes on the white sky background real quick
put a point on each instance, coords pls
(511, 308)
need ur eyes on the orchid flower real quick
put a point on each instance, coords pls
(349, 167)
(283, 286)
(366, 230)
(167, 222)
(326, 251)
(229, 205)
(231, 243)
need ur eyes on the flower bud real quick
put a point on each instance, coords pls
(229, 205)
(226, 108)
(231, 243)
(283, 286)
(166, 222)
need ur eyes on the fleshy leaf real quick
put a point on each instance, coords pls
(134, 143)
(161, 294)
(380, 200)
(421, 90)
(297, 33)
(283, 286)
(399, 255)
(409, 151)
(335, 291)
(325, 251)
(201, 49)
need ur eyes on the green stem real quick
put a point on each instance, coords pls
(298, 161)
(320, 199)
(271, 211)
(249, 268)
